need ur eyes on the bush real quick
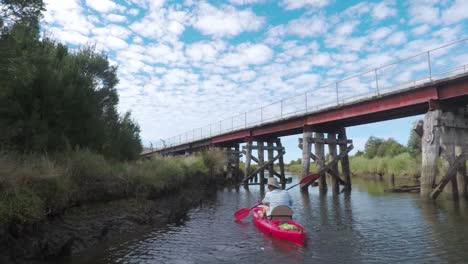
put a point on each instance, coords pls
(32, 186)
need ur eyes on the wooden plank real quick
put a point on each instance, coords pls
(334, 168)
(320, 152)
(261, 168)
(270, 148)
(270, 157)
(252, 157)
(330, 141)
(261, 161)
(345, 169)
(430, 143)
(448, 177)
(281, 163)
(248, 158)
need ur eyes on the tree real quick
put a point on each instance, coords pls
(52, 99)
(414, 143)
(372, 146)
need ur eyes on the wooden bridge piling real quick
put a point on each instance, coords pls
(317, 138)
(445, 136)
(332, 153)
(306, 151)
(320, 153)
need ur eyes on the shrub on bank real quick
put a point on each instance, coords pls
(33, 186)
(402, 165)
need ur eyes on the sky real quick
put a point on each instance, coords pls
(187, 64)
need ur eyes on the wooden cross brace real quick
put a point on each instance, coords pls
(265, 165)
(328, 168)
(452, 172)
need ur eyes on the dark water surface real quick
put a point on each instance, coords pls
(367, 226)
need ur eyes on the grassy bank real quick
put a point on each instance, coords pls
(35, 186)
(401, 166)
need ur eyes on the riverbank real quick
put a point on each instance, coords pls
(401, 166)
(57, 206)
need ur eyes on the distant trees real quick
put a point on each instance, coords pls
(52, 99)
(414, 143)
(377, 147)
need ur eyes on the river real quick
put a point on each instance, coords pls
(367, 226)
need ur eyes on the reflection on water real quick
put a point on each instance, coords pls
(366, 226)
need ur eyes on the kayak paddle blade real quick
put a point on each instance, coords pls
(310, 178)
(241, 213)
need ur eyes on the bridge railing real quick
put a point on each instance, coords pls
(442, 62)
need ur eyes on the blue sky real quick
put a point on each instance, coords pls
(186, 64)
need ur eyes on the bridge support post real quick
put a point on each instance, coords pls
(237, 173)
(232, 163)
(445, 135)
(262, 165)
(305, 145)
(320, 153)
(248, 159)
(430, 144)
(334, 168)
(261, 162)
(281, 163)
(345, 170)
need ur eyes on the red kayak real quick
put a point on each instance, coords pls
(272, 227)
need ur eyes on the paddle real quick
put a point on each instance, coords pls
(244, 212)
(309, 178)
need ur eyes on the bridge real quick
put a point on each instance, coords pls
(434, 83)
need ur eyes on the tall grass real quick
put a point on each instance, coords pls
(33, 186)
(402, 165)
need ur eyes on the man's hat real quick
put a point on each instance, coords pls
(273, 182)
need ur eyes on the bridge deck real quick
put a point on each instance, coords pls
(402, 103)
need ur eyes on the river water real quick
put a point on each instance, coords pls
(366, 226)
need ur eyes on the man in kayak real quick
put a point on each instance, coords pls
(274, 197)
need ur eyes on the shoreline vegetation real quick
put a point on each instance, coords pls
(401, 166)
(38, 193)
(34, 187)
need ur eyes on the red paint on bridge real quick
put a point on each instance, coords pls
(404, 103)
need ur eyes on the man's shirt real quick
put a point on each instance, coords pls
(277, 197)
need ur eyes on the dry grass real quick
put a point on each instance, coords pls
(32, 186)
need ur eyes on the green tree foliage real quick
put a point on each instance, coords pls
(52, 99)
(414, 144)
(377, 147)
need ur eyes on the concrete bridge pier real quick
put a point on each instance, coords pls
(335, 138)
(445, 137)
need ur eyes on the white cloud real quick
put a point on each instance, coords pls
(295, 4)
(68, 36)
(225, 21)
(247, 54)
(162, 24)
(421, 29)
(396, 38)
(458, 11)
(383, 10)
(116, 18)
(204, 51)
(245, 2)
(423, 11)
(68, 15)
(103, 6)
(380, 33)
(345, 28)
(307, 27)
(133, 11)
